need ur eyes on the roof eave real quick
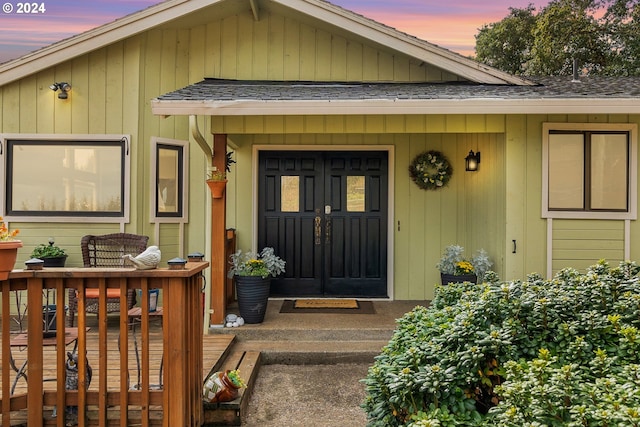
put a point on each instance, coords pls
(397, 106)
(153, 16)
(97, 38)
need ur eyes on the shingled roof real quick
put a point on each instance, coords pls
(549, 94)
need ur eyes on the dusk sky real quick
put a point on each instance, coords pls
(451, 24)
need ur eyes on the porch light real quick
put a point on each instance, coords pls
(471, 161)
(63, 87)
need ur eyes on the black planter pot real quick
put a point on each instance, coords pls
(459, 278)
(57, 261)
(253, 296)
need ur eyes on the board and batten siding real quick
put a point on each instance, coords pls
(112, 87)
(470, 211)
(524, 222)
(582, 243)
(285, 48)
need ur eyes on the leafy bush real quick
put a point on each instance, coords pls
(48, 251)
(561, 352)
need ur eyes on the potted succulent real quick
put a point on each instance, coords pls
(253, 273)
(8, 249)
(223, 386)
(454, 268)
(52, 255)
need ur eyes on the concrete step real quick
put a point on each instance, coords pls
(263, 333)
(300, 352)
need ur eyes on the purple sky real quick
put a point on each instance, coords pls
(450, 24)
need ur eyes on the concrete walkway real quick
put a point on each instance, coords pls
(313, 363)
(308, 396)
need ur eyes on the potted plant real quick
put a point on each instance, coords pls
(253, 273)
(8, 249)
(223, 386)
(454, 268)
(52, 255)
(217, 181)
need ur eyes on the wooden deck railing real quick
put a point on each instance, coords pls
(179, 398)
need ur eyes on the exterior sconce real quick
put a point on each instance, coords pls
(471, 161)
(63, 87)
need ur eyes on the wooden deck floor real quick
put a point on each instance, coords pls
(215, 349)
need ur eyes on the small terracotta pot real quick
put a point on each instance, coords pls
(217, 188)
(219, 388)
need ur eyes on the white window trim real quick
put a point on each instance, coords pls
(66, 137)
(184, 218)
(633, 170)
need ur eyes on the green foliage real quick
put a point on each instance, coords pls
(217, 175)
(506, 45)
(263, 264)
(600, 35)
(560, 352)
(48, 251)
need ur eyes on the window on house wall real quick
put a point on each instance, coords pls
(588, 173)
(169, 172)
(57, 177)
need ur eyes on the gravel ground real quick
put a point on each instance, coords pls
(308, 396)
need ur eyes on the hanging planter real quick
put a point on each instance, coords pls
(8, 256)
(217, 188)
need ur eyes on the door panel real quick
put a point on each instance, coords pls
(325, 214)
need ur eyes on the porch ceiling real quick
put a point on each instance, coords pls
(550, 95)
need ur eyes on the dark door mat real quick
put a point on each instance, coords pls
(363, 307)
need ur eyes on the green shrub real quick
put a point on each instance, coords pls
(560, 352)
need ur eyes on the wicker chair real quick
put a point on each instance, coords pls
(106, 251)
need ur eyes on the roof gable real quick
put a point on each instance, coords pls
(320, 11)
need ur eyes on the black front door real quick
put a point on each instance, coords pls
(325, 214)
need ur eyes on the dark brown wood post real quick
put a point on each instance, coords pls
(218, 238)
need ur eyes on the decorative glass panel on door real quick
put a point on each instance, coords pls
(290, 193)
(355, 193)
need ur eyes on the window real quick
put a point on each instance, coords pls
(55, 177)
(589, 173)
(168, 174)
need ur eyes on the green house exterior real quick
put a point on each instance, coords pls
(123, 75)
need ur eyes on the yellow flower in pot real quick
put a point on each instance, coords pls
(454, 268)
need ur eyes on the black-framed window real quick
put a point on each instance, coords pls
(169, 172)
(169, 180)
(58, 176)
(588, 171)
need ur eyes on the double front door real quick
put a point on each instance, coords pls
(325, 214)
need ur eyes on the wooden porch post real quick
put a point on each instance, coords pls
(218, 238)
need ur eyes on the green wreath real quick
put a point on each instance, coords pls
(430, 170)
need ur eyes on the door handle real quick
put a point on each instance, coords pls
(327, 232)
(317, 230)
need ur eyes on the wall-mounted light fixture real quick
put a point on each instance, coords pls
(471, 161)
(63, 87)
